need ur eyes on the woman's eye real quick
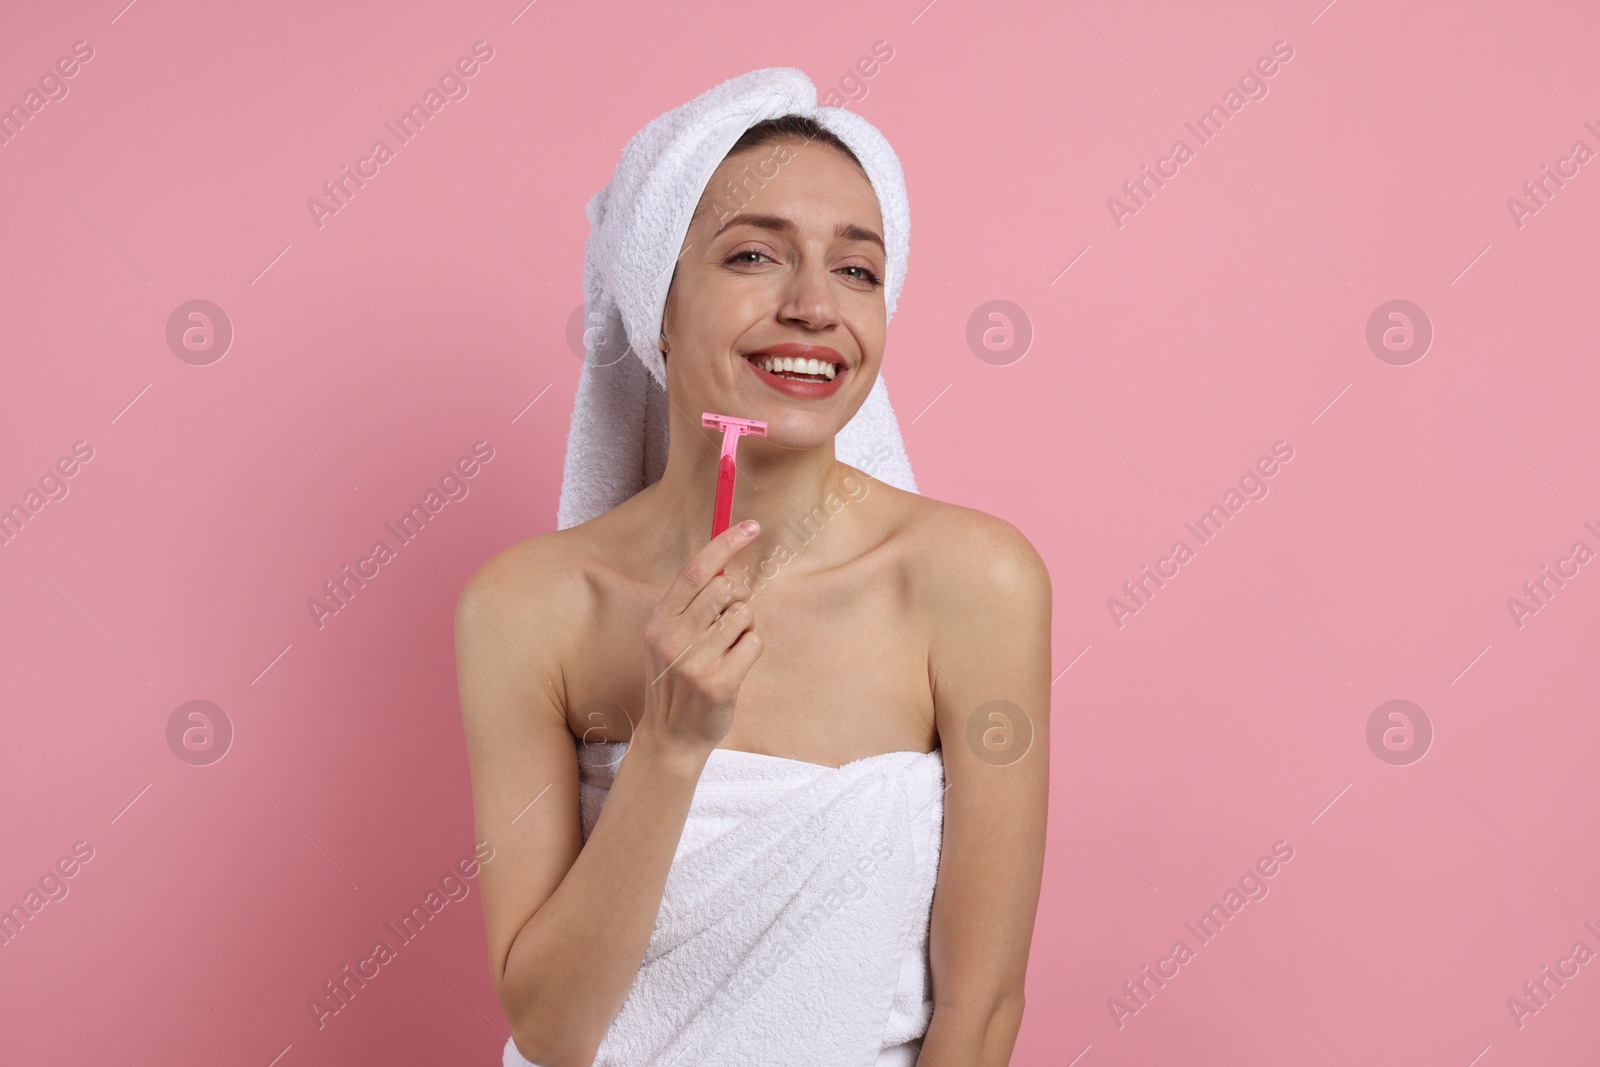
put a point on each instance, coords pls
(866, 274)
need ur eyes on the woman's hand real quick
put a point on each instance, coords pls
(700, 643)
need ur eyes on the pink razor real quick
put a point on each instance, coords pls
(732, 429)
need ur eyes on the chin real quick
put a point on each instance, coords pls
(799, 430)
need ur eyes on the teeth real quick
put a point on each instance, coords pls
(790, 365)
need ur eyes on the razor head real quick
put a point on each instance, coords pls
(728, 422)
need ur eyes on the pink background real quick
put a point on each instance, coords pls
(1228, 313)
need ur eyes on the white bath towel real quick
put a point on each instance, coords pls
(617, 442)
(793, 924)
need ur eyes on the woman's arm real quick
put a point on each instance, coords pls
(567, 923)
(991, 643)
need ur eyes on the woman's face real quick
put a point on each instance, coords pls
(794, 257)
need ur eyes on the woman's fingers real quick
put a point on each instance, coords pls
(712, 624)
(702, 642)
(703, 566)
(719, 595)
(745, 645)
(730, 626)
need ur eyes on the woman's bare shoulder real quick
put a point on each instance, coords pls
(518, 616)
(971, 550)
(539, 582)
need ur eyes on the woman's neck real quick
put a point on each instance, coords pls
(793, 493)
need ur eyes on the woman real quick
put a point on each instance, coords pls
(824, 844)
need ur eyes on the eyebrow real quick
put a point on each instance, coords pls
(845, 230)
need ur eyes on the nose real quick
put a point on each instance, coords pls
(808, 298)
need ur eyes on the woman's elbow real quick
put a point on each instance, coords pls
(999, 1020)
(544, 1040)
(534, 1044)
(1005, 1020)
(986, 1030)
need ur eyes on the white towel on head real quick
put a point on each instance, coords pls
(617, 443)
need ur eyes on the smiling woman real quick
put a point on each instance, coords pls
(740, 850)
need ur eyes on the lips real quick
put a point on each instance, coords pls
(821, 353)
(796, 388)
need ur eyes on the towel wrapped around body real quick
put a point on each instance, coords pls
(793, 926)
